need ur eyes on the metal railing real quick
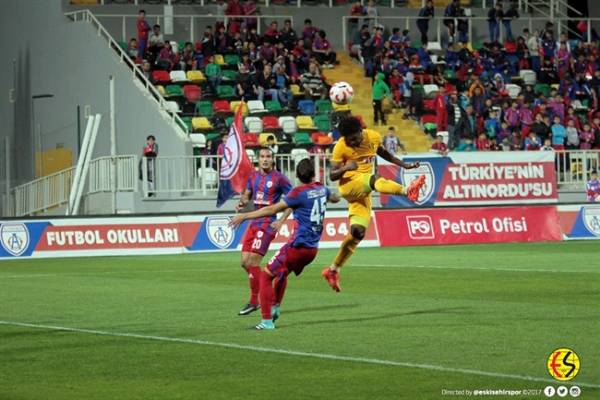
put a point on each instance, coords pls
(573, 167)
(138, 75)
(54, 190)
(437, 29)
(190, 23)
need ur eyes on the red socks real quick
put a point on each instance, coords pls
(267, 294)
(254, 280)
(280, 286)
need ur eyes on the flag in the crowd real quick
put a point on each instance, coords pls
(235, 165)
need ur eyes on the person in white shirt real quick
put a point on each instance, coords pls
(533, 44)
(156, 41)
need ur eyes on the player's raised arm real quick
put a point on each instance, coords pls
(277, 224)
(263, 212)
(338, 168)
(387, 156)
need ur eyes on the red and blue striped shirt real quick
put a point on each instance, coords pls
(267, 189)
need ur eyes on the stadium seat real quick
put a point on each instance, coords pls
(255, 107)
(228, 121)
(161, 77)
(323, 106)
(542, 88)
(322, 123)
(188, 124)
(288, 124)
(204, 108)
(161, 90)
(232, 59)
(429, 104)
(270, 123)
(229, 75)
(428, 118)
(262, 138)
(273, 106)
(251, 155)
(513, 90)
(299, 155)
(221, 106)
(172, 106)
(178, 76)
(212, 136)
(210, 177)
(529, 77)
(302, 139)
(250, 140)
(173, 91)
(253, 124)
(233, 106)
(305, 122)
(431, 90)
(219, 60)
(192, 93)
(224, 91)
(201, 123)
(296, 90)
(306, 107)
(321, 138)
(198, 140)
(195, 76)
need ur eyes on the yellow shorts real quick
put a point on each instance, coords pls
(357, 191)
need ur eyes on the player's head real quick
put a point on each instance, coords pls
(150, 139)
(305, 171)
(265, 159)
(351, 130)
(594, 174)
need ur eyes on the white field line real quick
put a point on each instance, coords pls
(322, 356)
(504, 269)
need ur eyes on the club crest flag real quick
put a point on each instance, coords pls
(235, 166)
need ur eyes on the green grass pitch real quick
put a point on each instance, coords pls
(409, 323)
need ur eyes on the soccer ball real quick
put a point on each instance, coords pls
(341, 93)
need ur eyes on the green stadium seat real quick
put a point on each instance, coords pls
(229, 74)
(232, 59)
(322, 123)
(273, 106)
(212, 136)
(323, 106)
(188, 124)
(228, 121)
(204, 108)
(224, 91)
(302, 139)
(173, 91)
(542, 88)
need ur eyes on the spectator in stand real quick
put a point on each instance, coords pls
(548, 45)
(371, 14)
(391, 142)
(357, 10)
(452, 12)
(547, 145)
(133, 52)
(572, 135)
(492, 125)
(147, 70)
(243, 85)
(516, 143)
(156, 41)
(213, 73)
(142, 30)
(187, 60)
(166, 57)
(149, 153)
(593, 187)
(312, 82)
(282, 84)
(586, 137)
(441, 116)
(559, 134)
(466, 145)
(504, 132)
(208, 42)
(454, 113)
(511, 116)
(532, 142)
(541, 128)
(272, 144)
(495, 15)
(379, 91)
(533, 45)
(483, 143)
(321, 48)
(427, 13)
(511, 14)
(250, 8)
(466, 127)
(234, 8)
(309, 32)
(271, 35)
(439, 146)
(265, 83)
(288, 35)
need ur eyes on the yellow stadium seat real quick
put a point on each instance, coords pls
(219, 60)
(161, 89)
(196, 76)
(233, 106)
(201, 123)
(295, 90)
(305, 122)
(262, 138)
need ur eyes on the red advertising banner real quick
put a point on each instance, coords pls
(335, 229)
(467, 225)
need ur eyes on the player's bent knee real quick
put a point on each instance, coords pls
(358, 232)
(373, 179)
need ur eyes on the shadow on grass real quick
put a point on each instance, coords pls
(452, 310)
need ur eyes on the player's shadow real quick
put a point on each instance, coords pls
(321, 308)
(452, 310)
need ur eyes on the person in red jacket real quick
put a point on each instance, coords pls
(143, 27)
(439, 104)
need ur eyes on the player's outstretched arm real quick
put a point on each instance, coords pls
(277, 224)
(337, 169)
(263, 212)
(387, 156)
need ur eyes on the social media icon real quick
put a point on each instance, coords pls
(562, 391)
(575, 391)
(549, 391)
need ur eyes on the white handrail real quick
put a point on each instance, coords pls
(86, 15)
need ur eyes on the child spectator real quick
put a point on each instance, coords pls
(593, 187)
(559, 134)
(494, 145)
(547, 145)
(132, 51)
(586, 137)
(272, 144)
(532, 142)
(504, 132)
(491, 125)
(212, 72)
(380, 90)
(466, 144)
(391, 142)
(511, 115)
(439, 146)
(150, 152)
(482, 143)
(572, 135)
(516, 143)
(166, 57)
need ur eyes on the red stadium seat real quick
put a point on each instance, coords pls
(428, 119)
(270, 123)
(251, 140)
(192, 93)
(321, 138)
(221, 106)
(429, 104)
(161, 77)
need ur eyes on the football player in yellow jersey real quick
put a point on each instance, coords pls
(352, 165)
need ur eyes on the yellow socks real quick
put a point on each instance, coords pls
(387, 186)
(346, 250)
